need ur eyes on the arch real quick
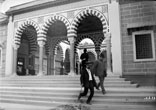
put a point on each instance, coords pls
(32, 40)
(54, 44)
(23, 27)
(80, 38)
(54, 18)
(47, 47)
(96, 40)
(58, 60)
(83, 14)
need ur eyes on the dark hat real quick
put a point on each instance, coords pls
(103, 54)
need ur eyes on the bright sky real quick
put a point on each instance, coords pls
(8, 3)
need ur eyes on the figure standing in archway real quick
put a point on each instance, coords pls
(84, 57)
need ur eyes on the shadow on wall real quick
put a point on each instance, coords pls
(142, 80)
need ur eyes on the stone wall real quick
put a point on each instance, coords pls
(133, 15)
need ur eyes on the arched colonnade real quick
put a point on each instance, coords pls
(41, 39)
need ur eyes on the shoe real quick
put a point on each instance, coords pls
(98, 85)
(89, 103)
(97, 88)
(79, 97)
(103, 92)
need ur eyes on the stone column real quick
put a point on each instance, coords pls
(54, 70)
(9, 48)
(48, 64)
(115, 30)
(108, 48)
(15, 50)
(41, 46)
(72, 55)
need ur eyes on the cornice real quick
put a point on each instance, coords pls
(39, 4)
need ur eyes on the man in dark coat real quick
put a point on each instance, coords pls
(87, 81)
(100, 70)
(84, 56)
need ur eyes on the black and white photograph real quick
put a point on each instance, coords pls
(77, 54)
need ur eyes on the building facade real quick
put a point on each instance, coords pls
(36, 29)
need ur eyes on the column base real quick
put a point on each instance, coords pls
(14, 75)
(71, 73)
(110, 73)
(40, 74)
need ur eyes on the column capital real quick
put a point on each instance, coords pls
(10, 18)
(15, 46)
(71, 33)
(41, 43)
(110, 1)
(108, 36)
(71, 39)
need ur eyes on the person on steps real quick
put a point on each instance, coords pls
(99, 69)
(87, 81)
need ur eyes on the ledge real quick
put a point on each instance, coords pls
(141, 24)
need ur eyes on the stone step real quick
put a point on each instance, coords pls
(98, 94)
(76, 80)
(125, 85)
(73, 89)
(68, 92)
(50, 77)
(54, 90)
(60, 82)
(55, 80)
(54, 99)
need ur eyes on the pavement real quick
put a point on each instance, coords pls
(10, 106)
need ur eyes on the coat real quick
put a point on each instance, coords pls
(84, 78)
(99, 68)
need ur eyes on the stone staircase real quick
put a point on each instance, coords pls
(52, 91)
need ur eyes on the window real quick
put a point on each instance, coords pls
(143, 46)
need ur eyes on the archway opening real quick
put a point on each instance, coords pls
(89, 45)
(56, 36)
(89, 24)
(62, 63)
(57, 29)
(90, 27)
(27, 52)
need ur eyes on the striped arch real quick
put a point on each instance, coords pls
(47, 48)
(54, 18)
(80, 38)
(87, 12)
(22, 28)
(32, 40)
(55, 42)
